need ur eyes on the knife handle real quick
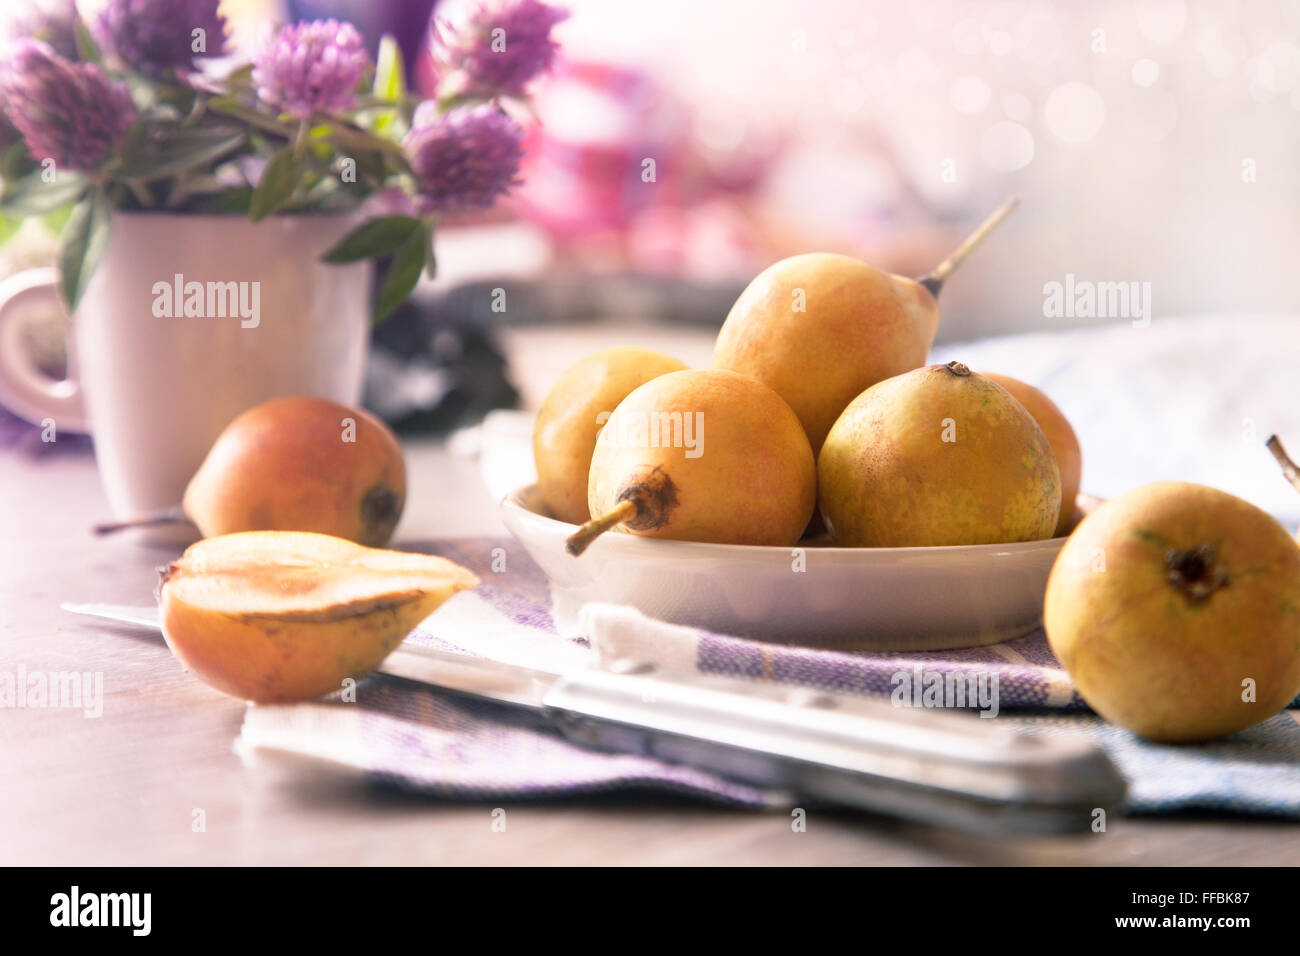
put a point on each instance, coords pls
(950, 769)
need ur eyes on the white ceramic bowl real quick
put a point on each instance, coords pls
(904, 599)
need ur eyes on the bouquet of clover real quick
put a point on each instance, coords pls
(141, 111)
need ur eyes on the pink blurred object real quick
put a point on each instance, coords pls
(585, 160)
(711, 241)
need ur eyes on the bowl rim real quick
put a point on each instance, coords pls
(516, 501)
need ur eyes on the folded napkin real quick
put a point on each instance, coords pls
(421, 739)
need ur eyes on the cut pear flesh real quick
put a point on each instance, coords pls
(285, 615)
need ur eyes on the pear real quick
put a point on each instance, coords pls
(296, 464)
(283, 615)
(1175, 608)
(1060, 435)
(821, 328)
(937, 456)
(701, 455)
(572, 414)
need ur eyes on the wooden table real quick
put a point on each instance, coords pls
(122, 788)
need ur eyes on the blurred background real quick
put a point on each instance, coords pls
(1155, 141)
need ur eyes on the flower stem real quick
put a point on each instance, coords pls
(300, 142)
(251, 117)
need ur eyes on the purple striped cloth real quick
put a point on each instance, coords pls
(418, 738)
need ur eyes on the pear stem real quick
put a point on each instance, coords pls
(1289, 467)
(581, 539)
(165, 516)
(934, 281)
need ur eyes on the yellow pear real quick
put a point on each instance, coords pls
(937, 456)
(295, 464)
(573, 413)
(1060, 435)
(1175, 608)
(282, 615)
(703, 455)
(820, 328)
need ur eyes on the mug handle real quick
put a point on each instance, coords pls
(24, 388)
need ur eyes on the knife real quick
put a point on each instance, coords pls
(849, 751)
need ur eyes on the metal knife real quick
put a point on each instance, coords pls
(937, 768)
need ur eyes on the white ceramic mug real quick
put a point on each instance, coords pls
(155, 385)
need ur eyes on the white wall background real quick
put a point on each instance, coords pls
(1131, 129)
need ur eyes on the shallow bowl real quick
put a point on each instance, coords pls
(902, 599)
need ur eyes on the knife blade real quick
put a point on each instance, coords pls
(839, 749)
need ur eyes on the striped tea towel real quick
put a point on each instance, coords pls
(418, 738)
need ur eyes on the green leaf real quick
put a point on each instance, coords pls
(356, 139)
(232, 105)
(277, 184)
(14, 162)
(240, 77)
(228, 201)
(371, 173)
(390, 73)
(87, 49)
(84, 240)
(430, 256)
(403, 274)
(377, 237)
(178, 151)
(57, 219)
(8, 227)
(33, 196)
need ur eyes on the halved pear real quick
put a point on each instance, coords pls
(287, 615)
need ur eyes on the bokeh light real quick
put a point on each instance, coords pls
(1074, 112)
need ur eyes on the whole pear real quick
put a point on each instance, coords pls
(1060, 435)
(1175, 608)
(821, 328)
(701, 455)
(572, 415)
(937, 456)
(301, 464)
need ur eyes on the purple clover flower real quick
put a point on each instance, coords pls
(498, 48)
(310, 66)
(155, 36)
(52, 22)
(68, 112)
(465, 158)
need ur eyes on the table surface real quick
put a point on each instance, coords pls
(123, 788)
